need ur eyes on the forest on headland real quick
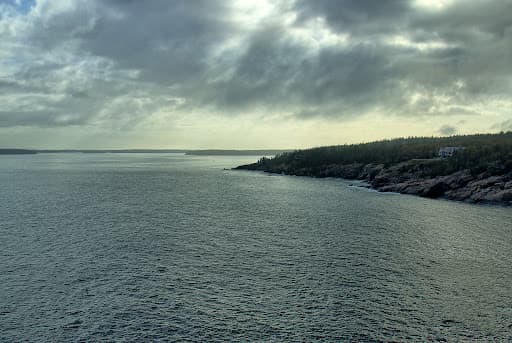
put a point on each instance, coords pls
(411, 165)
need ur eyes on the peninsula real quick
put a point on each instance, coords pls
(473, 168)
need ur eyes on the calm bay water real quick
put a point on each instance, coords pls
(138, 247)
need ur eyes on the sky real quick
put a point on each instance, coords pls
(250, 74)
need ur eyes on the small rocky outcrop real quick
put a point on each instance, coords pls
(461, 186)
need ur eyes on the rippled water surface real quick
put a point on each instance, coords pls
(138, 247)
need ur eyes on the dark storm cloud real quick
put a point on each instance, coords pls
(168, 41)
(359, 17)
(118, 62)
(476, 32)
(277, 73)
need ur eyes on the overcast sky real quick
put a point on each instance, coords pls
(250, 74)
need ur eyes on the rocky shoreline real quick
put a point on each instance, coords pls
(409, 178)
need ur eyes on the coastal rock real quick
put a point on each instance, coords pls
(370, 171)
(486, 183)
(396, 188)
(435, 188)
(414, 188)
(461, 194)
(493, 195)
(387, 176)
(505, 195)
(458, 179)
(413, 177)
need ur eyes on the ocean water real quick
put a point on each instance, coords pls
(167, 247)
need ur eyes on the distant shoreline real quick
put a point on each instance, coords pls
(17, 152)
(209, 152)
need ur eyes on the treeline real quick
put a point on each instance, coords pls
(482, 152)
(222, 152)
(17, 151)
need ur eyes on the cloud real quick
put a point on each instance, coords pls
(447, 130)
(125, 64)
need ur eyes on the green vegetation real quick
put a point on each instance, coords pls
(491, 153)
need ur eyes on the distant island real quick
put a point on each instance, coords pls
(472, 168)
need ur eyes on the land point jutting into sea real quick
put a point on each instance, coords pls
(473, 168)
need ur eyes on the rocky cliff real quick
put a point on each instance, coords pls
(412, 177)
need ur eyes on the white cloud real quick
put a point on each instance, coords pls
(406, 42)
(434, 5)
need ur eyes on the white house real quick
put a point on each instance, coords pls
(448, 151)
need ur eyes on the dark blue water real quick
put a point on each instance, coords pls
(142, 247)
